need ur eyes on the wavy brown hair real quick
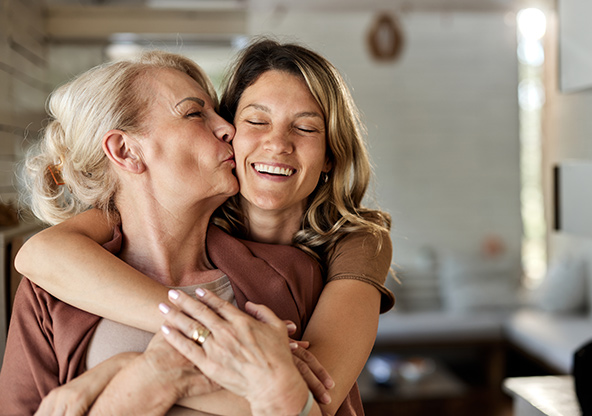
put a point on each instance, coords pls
(335, 206)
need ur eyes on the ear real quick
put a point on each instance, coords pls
(327, 166)
(123, 151)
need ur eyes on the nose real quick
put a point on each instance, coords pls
(223, 130)
(279, 142)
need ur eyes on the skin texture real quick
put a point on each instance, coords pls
(284, 131)
(268, 132)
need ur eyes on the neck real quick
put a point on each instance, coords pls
(166, 243)
(272, 226)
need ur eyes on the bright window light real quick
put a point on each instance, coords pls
(532, 23)
(531, 52)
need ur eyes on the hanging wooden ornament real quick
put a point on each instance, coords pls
(385, 38)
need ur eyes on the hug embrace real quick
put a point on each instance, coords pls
(234, 231)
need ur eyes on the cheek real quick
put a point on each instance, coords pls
(243, 147)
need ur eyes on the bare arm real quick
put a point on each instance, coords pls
(77, 396)
(68, 261)
(151, 383)
(342, 330)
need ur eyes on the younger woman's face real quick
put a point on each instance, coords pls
(280, 143)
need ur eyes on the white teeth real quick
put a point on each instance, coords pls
(275, 170)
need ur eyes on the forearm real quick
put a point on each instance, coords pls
(134, 392)
(68, 261)
(346, 314)
(99, 376)
(221, 402)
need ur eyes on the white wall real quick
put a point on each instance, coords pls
(23, 86)
(568, 132)
(442, 121)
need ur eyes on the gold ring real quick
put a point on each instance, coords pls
(199, 335)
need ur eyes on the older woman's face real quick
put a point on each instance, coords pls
(187, 146)
(280, 143)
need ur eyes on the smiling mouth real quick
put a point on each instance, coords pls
(273, 170)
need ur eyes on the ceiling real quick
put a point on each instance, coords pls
(320, 5)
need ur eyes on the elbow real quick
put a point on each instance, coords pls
(25, 257)
(20, 260)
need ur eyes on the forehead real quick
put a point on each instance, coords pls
(279, 86)
(169, 86)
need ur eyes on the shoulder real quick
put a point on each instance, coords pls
(363, 245)
(365, 256)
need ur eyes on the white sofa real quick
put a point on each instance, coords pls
(549, 338)
(461, 300)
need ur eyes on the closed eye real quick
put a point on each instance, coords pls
(256, 123)
(195, 114)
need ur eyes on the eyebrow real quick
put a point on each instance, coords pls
(302, 114)
(197, 100)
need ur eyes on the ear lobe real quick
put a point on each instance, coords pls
(122, 150)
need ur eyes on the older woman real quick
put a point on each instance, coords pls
(143, 141)
(295, 152)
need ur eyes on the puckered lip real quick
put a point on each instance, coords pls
(230, 159)
(274, 168)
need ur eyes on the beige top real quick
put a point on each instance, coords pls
(112, 338)
(358, 256)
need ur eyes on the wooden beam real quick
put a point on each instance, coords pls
(97, 24)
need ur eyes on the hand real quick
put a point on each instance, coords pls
(71, 399)
(248, 355)
(76, 397)
(152, 383)
(173, 369)
(314, 374)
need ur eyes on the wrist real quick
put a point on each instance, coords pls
(295, 401)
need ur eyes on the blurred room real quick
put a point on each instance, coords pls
(478, 117)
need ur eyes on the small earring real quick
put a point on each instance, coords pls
(325, 177)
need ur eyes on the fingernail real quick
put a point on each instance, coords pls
(329, 384)
(293, 345)
(165, 329)
(325, 398)
(291, 326)
(200, 292)
(173, 294)
(164, 308)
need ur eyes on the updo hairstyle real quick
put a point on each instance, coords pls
(114, 95)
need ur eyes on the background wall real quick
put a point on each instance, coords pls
(568, 132)
(23, 86)
(442, 120)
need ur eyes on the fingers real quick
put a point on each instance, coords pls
(263, 314)
(291, 327)
(302, 344)
(196, 309)
(314, 366)
(318, 390)
(190, 327)
(184, 345)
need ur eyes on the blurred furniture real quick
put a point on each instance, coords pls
(471, 314)
(539, 396)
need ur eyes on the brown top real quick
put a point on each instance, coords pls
(357, 256)
(48, 339)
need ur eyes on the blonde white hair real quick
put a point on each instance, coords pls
(110, 96)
